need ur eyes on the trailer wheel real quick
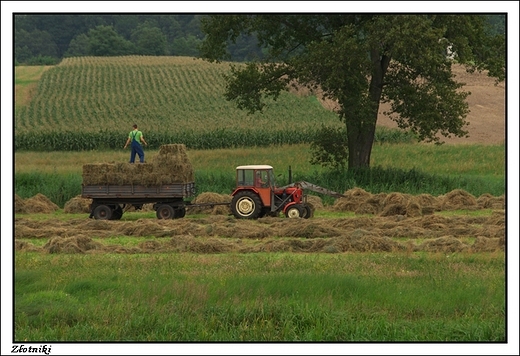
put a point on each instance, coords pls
(102, 212)
(117, 213)
(294, 211)
(179, 213)
(165, 211)
(246, 205)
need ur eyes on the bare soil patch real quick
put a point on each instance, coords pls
(487, 117)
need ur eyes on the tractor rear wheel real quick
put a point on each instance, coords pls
(246, 205)
(294, 211)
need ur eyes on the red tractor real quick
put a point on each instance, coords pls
(256, 195)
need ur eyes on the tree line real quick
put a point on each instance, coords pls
(46, 39)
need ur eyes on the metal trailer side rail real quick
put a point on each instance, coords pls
(140, 192)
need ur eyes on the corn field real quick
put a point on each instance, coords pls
(90, 103)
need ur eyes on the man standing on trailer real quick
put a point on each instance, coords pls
(135, 137)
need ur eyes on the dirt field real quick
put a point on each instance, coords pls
(487, 117)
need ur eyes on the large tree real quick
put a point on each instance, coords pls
(362, 60)
(105, 41)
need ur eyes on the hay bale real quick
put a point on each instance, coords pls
(458, 199)
(171, 165)
(95, 173)
(40, 204)
(77, 205)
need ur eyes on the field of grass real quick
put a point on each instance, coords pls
(260, 297)
(79, 112)
(440, 169)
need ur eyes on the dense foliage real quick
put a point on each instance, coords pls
(48, 38)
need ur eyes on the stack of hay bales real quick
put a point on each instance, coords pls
(170, 166)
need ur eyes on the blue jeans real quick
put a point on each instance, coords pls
(136, 148)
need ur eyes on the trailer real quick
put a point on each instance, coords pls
(110, 201)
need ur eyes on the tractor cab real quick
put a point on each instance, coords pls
(256, 195)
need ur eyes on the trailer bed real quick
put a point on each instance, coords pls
(165, 191)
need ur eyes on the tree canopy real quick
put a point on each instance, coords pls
(362, 60)
(54, 36)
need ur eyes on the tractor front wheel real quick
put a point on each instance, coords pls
(246, 205)
(294, 211)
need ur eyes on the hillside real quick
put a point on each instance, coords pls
(181, 95)
(91, 102)
(487, 117)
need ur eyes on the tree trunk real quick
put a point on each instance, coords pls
(361, 127)
(360, 139)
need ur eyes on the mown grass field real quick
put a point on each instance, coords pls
(230, 297)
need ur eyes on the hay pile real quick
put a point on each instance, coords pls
(77, 205)
(315, 202)
(352, 200)
(458, 199)
(75, 244)
(171, 165)
(359, 201)
(487, 201)
(19, 204)
(34, 205)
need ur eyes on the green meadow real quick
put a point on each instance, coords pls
(260, 297)
(80, 111)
